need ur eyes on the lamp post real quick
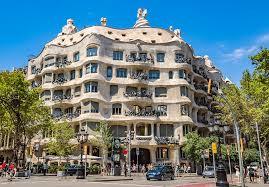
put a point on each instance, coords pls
(219, 129)
(129, 138)
(221, 94)
(82, 137)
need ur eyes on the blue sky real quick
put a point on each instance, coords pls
(228, 31)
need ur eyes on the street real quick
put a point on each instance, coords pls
(138, 181)
(72, 182)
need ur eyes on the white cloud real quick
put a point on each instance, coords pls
(240, 53)
(263, 39)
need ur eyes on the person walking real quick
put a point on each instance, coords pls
(45, 168)
(125, 169)
(251, 173)
(143, 169)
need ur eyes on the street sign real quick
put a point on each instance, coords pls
(125, 152)
(137, 151)
(214, 148)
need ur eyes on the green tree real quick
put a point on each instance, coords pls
(21, 110)
(251, 155)
(194, 146)
(60, 142)
(250, 101)
(103, 138)
(233, 153)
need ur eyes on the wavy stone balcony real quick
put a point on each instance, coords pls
(183, 60)
(146, 113)
(140, 59)
(166, 140)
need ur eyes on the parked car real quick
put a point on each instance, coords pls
(161, 173)
(72, 170)
(208, 172)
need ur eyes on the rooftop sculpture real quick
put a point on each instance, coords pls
(69, 28)
(141, 15)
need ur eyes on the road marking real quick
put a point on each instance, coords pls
(123, 184)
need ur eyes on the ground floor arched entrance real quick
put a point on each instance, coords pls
(143, 157)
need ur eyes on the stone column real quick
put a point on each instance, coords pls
(114, 71)
(5, 138)
(146, 130)
(152, 130)
(158, 129)
(153, 154)
(135, 131)
(7, 144)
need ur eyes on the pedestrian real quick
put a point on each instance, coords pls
(189, 169)
(251, 173)
(125, 169)
(45, 168)
(11, 170)
(143, 169)
(185, 168)
(4, 168)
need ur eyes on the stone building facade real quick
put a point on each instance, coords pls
(142, 79)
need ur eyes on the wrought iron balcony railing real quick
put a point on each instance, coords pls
(183, 60)
(200, 87)
(142, 59)
(147, 138)
(166, 140)
(62, 64)
(68, 116)
(59, 80)
(61, 97)
(143, 93)
(202, 121)
(200, 102)
(140, 76)
(146, 113)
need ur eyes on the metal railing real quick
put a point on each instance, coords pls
(183, 60)
(143, 93)
(143, 59)
(146, 113)
(140, 76)
(166, 140)
(61, 97)
(59, 80)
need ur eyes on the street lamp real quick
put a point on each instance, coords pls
(237, 132)
(82, 137)
(129, 138)
(219, 129)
